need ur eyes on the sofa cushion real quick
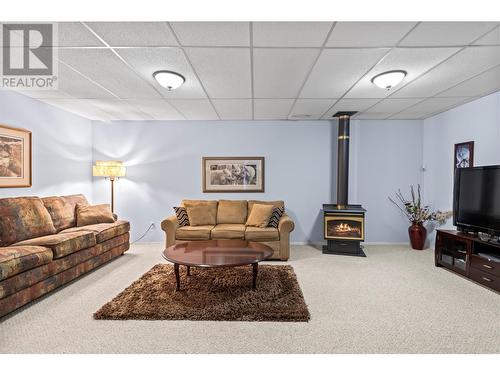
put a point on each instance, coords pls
(259, 215)
(35, 275)
(261, 234)
(272, 203)
(62, 210)
(23, 218)
(63, 244)
(228, 231)
(103, 231)
(188, 232)
(274, 221)
(201, 212)
(90, 215)
(231, 212)
(17, 259)
(182, 216)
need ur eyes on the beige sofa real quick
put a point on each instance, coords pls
(229, 220)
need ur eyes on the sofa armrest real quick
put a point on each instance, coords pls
(286, 224)
(169, 226)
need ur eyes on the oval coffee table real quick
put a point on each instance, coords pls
(217, 253)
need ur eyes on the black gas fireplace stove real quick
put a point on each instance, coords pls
(344, 223)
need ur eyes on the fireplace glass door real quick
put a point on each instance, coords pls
(344, 228)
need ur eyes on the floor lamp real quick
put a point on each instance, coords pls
(112, 169)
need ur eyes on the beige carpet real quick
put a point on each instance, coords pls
(393, 301)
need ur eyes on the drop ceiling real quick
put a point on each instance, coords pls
(272, 70)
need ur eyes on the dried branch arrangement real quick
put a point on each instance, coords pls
(414, 211)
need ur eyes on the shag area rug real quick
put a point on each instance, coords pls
(211, 294)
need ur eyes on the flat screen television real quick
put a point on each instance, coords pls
(476, 204)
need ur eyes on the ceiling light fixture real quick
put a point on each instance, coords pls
(168, 79)
(387, 80)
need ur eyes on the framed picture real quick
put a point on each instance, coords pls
(15, 157)
(464, 155)
(233, 174)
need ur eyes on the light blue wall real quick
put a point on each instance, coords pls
(164, 166)
(477, 121)
(387, 156)
(164, 161)
(62, 146)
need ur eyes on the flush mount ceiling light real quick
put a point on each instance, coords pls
(168, 79)
(388, 80)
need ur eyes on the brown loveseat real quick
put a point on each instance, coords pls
(229, 218)
(41, 248)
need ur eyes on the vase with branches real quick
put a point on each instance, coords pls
(418, 214)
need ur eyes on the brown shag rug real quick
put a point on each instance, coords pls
(211, 294)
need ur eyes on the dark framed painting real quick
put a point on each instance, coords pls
(233, 174)
(464, 155)
(15, 157)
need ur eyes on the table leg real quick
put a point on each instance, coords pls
(177, 276)
(255, 270)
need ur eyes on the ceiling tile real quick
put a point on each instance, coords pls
(146, 61)
(74, 34)
(79, 107)
(368, 34)
(310, 109)
(118, 109)
(103, 67)
(446, 33)
(212, 33)
(465, 64)
(414, 61)
(272, 109)
(429, 107)
(336, 71)
(492, 38)
(134, 34)
(78, 86)
(42, 94)
(290, 34)
(279, 73)
(373, 116)
(195, 109)
(233, 109)
(358, 105)
(388, 107)
(159, 109)
(224, 72)
(480, 85)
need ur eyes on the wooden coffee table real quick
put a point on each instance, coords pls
(217, 253)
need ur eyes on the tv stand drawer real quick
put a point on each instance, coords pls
(485, 265)
(484, 278)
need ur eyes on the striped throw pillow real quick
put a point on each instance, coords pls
(182, 216)
(276, 216)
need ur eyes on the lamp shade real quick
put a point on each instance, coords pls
(110, 168)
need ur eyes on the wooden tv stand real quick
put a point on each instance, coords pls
(469, 256)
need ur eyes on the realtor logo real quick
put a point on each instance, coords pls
(28, 56)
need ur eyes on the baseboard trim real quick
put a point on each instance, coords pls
(385, 243)
(304, 243)
(309, 243)
(321, 243)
